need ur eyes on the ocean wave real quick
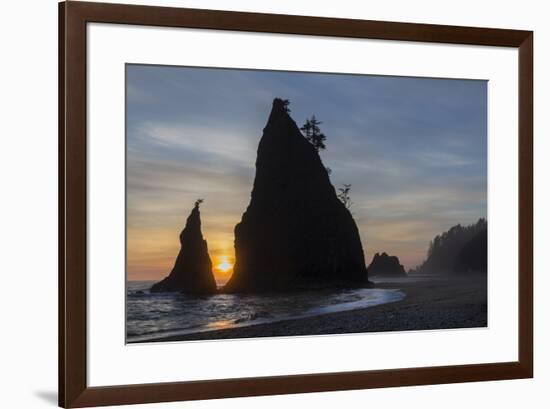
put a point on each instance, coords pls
(150, 316)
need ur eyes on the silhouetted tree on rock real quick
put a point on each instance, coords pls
(286, 104)
(313, 133)
(344, 195)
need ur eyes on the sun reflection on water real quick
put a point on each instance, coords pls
(221, 324)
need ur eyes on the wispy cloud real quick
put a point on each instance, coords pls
(216, 142)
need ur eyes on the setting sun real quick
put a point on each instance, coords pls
(224, 265)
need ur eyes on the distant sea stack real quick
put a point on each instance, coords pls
(295, 233)
(385, 265)
(461, 249)
(192, 272)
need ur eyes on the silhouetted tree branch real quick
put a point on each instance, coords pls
(286, 103)
(344, 195)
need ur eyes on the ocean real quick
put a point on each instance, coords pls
(150, 316)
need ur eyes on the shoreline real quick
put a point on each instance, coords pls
(435, 303)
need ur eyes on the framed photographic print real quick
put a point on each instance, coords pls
(256, 204)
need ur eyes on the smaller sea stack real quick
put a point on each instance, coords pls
(385, 265)
(192, 272)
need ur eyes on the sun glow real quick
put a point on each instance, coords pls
(224, 265)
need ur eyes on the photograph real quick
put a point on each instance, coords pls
(277, 203)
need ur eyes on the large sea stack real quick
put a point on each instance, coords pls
(295, 233)
(385, 265)
(192, 272)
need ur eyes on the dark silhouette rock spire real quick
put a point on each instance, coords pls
(385, 265)
(295, 233)
(192, 272)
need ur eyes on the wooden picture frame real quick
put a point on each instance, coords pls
(73, 388)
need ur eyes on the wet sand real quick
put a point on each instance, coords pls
(438, 303)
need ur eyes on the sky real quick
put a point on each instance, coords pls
(413, 149)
